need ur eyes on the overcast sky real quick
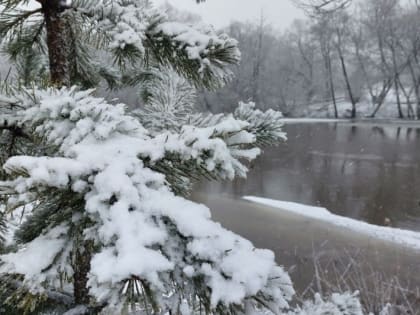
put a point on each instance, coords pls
(280, 13)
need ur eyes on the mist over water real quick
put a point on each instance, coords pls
(364, 171)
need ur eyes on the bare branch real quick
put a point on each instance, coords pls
(317, 7)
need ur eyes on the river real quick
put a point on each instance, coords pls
(365, 171)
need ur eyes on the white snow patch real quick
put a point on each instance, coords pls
(406, 238)
(311, 120)
(40, 253)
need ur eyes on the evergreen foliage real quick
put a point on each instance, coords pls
(96, 144)
(129, 34)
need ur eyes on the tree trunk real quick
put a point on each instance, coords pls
(417, 92)
(407, 95)
(397, 94)
(256, 95)
(57, 43)
(396, 80)
(310, 78)
(381, 97)
(416, 85)
(332, 88)
(348, 85)
(81, 268)
(363, 68)
(339, 46)
(59, 59)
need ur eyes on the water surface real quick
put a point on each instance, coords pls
(365, 171)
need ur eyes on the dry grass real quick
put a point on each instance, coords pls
(348, 271)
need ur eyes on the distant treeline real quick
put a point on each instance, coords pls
(366, 53)
(364, 58)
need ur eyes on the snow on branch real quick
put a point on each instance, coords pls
(137, 31)
(123, 22)
(181, 257)
(196, 52)
(169, 108)
(266, 126)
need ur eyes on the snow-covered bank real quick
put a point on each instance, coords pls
(358, 120)
(406, 238)
(312, 120)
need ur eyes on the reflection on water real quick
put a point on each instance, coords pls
(364, 171)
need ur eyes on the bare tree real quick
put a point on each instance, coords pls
(302, 49)
(322, 11)
(410, 46)
(258, 61)
(369, 52)
(342, 37)
(316, 7)
(323, 31)
(375, 26)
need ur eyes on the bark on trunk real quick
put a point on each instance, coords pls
(81, 268)
(407, 95)
(348, 85)
(398, 99)
(417, 93)
(332, 88)
(379, 100)
(257, 66)
(416, 84)
(57, 43)
(339, 46)
(58, 53)
(396, 80)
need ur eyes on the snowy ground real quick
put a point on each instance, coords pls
(364, 108)
(406, 238)
(311, 120)
(362, 120)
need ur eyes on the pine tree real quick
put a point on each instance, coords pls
(98, 192)
(107, 229)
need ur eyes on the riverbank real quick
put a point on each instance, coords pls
(365, 171)
(359, 120)
(393, 236)
(296, 239)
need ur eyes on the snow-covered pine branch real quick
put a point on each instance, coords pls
(266, 126)
(181, 259)
(136, 30)
(169, 107)
(169, 101)
(131, 33)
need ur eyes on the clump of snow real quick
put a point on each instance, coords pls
(125, 22)
(268, 125)
(196, 42)
(36, 257)
(406, 238)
